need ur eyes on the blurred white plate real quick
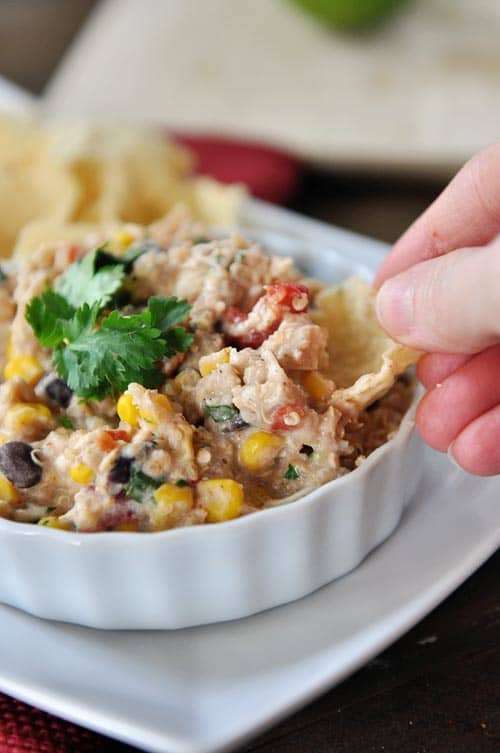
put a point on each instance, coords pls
(15, 100)
(206, 689)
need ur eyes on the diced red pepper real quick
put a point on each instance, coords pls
(108, 440)
(233, 315)
(288, 417)
(251, 339)
(294, 297)
(73, 252)
(105, 442)
(254, 338)
(282, 297)
(119, 434)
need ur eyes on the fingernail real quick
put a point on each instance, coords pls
(452, 457)
(394, 305)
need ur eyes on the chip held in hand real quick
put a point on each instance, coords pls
(364, 362)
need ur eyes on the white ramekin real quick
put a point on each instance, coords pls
(192, 576)
(198, 575)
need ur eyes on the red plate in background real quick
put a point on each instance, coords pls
(269, 173)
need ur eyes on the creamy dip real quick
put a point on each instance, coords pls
(242, 420)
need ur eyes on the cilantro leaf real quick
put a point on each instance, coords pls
(141, 485)
(103, 362)
(82, 322)
(291, 473)
(177, 340)
(220, 413)
(67, 422)
(165, 312)
(47, 316)
(83, 283)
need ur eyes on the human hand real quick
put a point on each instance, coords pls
(440, 293)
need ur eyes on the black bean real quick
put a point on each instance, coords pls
(58, 392)
(234, 424)
(306, 449)
(17, 464)
(120, 472)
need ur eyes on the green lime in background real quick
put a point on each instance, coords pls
(349, 14)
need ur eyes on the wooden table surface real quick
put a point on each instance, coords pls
(437, 690)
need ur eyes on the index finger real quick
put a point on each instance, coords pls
(466, 213)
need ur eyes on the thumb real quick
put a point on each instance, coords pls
(450, 304)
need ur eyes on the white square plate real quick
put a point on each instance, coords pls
(207, 689)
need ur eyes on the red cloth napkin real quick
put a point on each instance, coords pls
(269, 174)
(24, 729)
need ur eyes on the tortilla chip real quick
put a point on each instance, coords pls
(35, 234)
(212, 202)
(364, 361)
(125, 173)
(32, 184)
(99, 174)
(137, 176)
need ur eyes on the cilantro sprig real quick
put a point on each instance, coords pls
(83, 282)
(100, 355)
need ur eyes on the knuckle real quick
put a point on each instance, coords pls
(484, 174)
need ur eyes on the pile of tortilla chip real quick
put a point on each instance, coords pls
(98, 174)
(364, 361)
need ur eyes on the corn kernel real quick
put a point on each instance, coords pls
(159, 401)
(170, 494)
(81, 473)
(122, 239)
(316, 385)
(28, 368)
(172, 503)
(260, 449)
(127, 410)
(8, 491)
(32, 420)
(53, 522)
(186, 379)
(3, 438)
(128, 527)
(163, 401)
(209, 363)
(222, 498)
